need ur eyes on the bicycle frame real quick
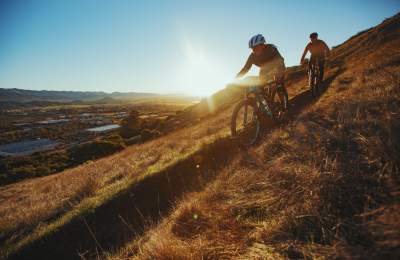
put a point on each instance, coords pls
(314, 69)
(253, 112)
(314, 76)
(255, 93)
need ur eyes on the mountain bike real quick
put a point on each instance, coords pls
(314, 76)
(260, 103)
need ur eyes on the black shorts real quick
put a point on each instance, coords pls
(316, 59)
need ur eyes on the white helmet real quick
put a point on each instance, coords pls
(256, 40)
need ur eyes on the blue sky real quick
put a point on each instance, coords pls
(187, 47)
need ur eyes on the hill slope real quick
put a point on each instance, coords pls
(324, 186)
(290, 196)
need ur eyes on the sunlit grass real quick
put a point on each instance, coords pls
(81, 189)
(313, 189)
(322, 187)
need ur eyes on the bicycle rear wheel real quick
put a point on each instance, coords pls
(245, 122)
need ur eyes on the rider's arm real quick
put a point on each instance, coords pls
(246, 67)
(327, 50)
(304, 54)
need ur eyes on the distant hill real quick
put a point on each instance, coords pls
(23, 95)
(105, 100)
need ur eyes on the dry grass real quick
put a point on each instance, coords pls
(33, 203)
(25, 205)
(324, 186)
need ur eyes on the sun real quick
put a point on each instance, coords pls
(201, 72)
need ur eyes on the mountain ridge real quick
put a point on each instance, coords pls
(25, 95)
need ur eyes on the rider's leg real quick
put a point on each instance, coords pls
(270, 72)
(281, 94)
(321, 70)
(310, 67)
(273, 92)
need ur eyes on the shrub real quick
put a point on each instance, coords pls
(94, 150)
(115, 138)
(131, 125)
(148, 134)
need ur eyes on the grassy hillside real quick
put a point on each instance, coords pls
(52, 201)
(55, 200)
(324, 186)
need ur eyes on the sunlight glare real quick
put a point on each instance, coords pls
(201, 72)
(210, 103)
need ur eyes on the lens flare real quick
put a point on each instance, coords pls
(201, 72)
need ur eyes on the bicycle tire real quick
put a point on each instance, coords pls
(278, 114)
(250, 133)
(313, 82)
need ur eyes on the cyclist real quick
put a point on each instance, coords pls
(268, 59)
(319, 51)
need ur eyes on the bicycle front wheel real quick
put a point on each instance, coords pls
(313, 82)
(245, 123)
(280, 104)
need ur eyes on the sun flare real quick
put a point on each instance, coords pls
(201, 72)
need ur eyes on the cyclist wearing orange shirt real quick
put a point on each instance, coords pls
(319, 51)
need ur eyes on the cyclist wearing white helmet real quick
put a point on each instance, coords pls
(265, 56)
